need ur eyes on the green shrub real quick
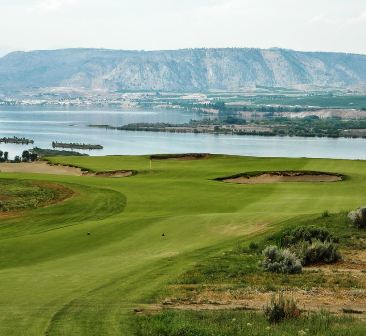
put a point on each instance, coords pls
(253, 246)
(281, 308)
(325, 214)
(277, 260)
(317, 252)
(306, 234)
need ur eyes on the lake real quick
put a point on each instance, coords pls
(45, 125)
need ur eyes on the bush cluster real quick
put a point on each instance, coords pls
(281, 308)
(277, 260)
(317, 252)
(301, 247)
(312, 245)
(358, 217)
(306, 234)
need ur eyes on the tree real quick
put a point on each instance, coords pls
(6, 156)
(25, 156)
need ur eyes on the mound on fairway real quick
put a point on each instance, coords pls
(282, 176)
(16, 195)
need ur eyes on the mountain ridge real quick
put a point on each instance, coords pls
(199, 69)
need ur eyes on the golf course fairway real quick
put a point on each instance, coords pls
(81, 266)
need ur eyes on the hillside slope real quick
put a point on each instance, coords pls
(180, 70)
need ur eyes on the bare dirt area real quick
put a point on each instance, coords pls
(327, 113)
(340, 301)
(279, 177)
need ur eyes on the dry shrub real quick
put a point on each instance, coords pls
(281, 308)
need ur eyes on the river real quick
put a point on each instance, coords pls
(45, 125)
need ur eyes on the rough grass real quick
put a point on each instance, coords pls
(239, 267)
(235, 323)
(56, 279)
(16, 195)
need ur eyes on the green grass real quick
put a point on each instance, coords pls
(239, 268)
(238, 323)
(55, 279)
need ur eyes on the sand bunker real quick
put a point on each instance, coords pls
(186, 156)
(278, 177)
(43, 167)
(39, 167)
(115, 173)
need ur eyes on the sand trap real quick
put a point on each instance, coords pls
(187, 156)
(116, 173)
(278, 177)
(42, 167)
(39, 167)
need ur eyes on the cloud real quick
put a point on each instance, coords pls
(55, 4)
(323, 19)
(359, 18)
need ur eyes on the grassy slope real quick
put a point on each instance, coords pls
(57, 280)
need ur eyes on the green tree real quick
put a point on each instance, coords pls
(25, 156)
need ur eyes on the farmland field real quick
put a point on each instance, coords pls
(82, 265)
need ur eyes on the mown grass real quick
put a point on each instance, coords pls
(81, 266)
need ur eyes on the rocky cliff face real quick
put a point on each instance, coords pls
(180, 70)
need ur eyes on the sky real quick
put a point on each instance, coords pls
(310, 25)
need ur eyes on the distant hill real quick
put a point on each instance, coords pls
(180, 70)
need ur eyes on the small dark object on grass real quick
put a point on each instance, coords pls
(88, 233)
(163, 235)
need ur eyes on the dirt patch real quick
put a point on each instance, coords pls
(43, 167)
(340, 301)
(280, 177)
(187, 156)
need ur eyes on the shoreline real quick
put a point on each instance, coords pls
(183, 129)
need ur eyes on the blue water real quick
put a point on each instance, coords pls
(65, 125)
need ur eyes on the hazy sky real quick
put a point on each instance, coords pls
(330, 25)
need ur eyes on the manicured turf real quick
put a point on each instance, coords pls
(55, 279)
